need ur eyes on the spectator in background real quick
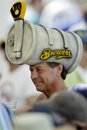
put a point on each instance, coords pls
(83, 6)
(4, 65)
(33, 121)
(16, 88)
(80, 74)
(80, 88)
(34, 8)
(6, 118)
(63, 14)
(70, 105)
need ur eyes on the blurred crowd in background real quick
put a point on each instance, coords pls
(16, 87)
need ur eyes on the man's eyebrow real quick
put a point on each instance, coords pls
(31, 67)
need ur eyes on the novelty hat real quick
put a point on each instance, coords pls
(32, 44)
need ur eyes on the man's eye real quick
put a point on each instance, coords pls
(31, 69)
(39, 70)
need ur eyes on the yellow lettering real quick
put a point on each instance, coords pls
(47, 53)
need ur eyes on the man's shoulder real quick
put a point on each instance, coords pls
(41, 97)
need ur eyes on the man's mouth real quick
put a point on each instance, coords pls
(37, 83)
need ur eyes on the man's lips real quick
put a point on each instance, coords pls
(37, 83)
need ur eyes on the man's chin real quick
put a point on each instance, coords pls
(39, 88)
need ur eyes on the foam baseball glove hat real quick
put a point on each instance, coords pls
(31, 44)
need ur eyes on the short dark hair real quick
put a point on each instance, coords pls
(54, 64)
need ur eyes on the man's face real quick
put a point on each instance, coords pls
(43, 76)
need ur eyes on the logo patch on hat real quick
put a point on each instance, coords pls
(18, 10)
(60, 53)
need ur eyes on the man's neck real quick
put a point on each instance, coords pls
(59, 87)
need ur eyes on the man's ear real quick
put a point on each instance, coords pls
(59, 69)
(85, 47)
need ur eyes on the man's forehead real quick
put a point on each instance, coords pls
(38, 65)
